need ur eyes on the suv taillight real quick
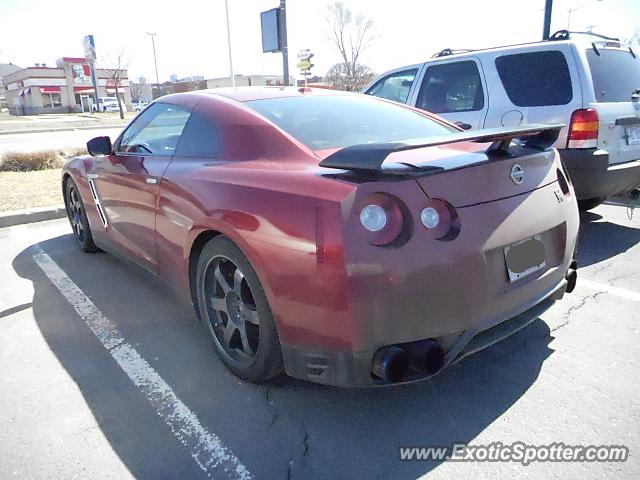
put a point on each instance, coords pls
(583, 130)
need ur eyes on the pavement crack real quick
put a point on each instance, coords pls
(271, 406)
(289, 469)
(567, 316)
(305, 442)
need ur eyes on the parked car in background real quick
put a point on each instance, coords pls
(274, 212)
(109, 104)
(590, 86)
(138, 106)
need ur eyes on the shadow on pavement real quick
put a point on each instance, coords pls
(599, 241)
(288, 429)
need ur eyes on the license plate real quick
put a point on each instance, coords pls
(633, 135)
(524, 258)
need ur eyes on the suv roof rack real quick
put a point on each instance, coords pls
(566, 35)
(449, 51)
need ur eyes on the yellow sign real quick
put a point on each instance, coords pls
(304, 65)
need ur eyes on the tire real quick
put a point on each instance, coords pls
(590, 203)
(77, 216)
(236, 313)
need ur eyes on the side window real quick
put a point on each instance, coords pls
(451, 87)
(200, 137)
(395, 86)
(536, 79)
(156, 131)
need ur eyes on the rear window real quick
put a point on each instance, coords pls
(343, 120)
(536, 79)
(615, 74)
(395, 87)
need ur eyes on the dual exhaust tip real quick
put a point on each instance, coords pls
(393, 364)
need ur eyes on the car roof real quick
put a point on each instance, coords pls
(247, 94)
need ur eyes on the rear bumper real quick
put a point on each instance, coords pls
(593, 177)
(430, 289)
(353, 369)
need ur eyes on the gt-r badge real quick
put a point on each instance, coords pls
(517, 174)
(559, 195)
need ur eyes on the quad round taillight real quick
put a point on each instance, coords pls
(373, 217)
(440, 219)
(430, 217)
(381, 218)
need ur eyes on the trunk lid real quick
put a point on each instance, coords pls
(615, 73)
(471, 178)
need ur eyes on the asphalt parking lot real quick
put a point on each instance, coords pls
(71, 408)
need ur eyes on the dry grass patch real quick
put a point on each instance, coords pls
(42, 160)
(20, 190)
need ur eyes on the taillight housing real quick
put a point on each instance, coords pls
(583, 129)
(440, 219)
(381, 218)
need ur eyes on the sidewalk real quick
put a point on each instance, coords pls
(50, 123)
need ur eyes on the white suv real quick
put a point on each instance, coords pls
(589, 83)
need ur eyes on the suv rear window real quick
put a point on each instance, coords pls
(334, 121)
(451, 87)
(536, 79)
(615, 74)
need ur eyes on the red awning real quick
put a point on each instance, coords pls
(82, 89)
(49, 89)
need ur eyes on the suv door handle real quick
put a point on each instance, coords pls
(152, 180)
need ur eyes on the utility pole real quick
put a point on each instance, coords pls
(283, 42)
(155, 59)
(546, 29)
(233, 77)
(571, 10)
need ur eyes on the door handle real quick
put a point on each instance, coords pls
(152, 180)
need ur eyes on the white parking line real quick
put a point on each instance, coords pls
(206, 448)
(603, 287)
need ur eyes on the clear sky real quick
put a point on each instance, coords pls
(191, 34)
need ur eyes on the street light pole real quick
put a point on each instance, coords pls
(546, 29)
(155, 60)
(233, 77)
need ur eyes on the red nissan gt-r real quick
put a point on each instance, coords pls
(344, 239)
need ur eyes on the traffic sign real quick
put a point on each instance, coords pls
(304, 65)
(302, 54)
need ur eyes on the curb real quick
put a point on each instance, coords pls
(31, 215)
(61, 129)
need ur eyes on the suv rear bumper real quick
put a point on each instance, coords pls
(593, 177)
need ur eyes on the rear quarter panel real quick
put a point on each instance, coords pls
(286, 220)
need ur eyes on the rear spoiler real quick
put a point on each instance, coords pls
(369, 157)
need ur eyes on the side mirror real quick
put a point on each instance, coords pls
(99, 146)
(462, 125)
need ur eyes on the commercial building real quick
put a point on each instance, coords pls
(65, 88)
(5, 69)
(248, 81)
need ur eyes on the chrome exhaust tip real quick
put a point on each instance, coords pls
(426, 356)
(390, 364)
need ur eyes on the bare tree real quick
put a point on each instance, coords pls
(338, 78)
(634, 39)
(137, 90)
(351, 35)
(115, 66)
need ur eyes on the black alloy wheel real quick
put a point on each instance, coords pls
(235, 310)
